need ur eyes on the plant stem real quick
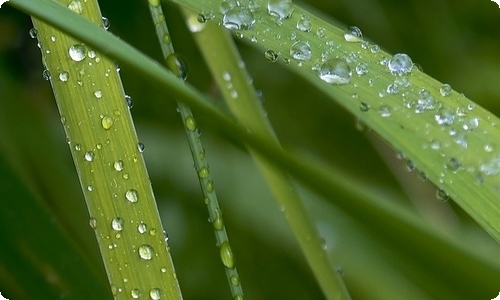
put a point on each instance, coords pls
(177, 65)
(224, 62)
(110, 166)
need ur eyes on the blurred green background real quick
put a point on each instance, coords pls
(47, 248)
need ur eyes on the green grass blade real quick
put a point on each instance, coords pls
(179, 67)
(224, 62)
(441, 132)
(111, 169)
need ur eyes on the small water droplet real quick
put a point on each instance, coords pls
(117, 224)
(425, 101)
(89, 156)
(384, 111)
(238, 18)
(361, 69)
(304, 24)
(146, 252)
(98, 94)
(142, 228)
(33, 33)
(353, 34)
(77, 52)
(155, 294)
(335, 71)
(140, 147)
(90, 188)
(131, 195)
(400, 64)
(218, 222)
(203, 172)
(107, 122)
(105, 23)
(135, 293)
(46, 74)
(374, 49)
(226, 255)
(445, 90)
(63, 76)
(271, 56)
(93, 223)
(442, 196)
(364, 107)
(118, 165)
(452, 164)
(190, 123)
(444, 116)
(78, 147)
(470, 124)
(235, 280)
(301, 50)
(282, 9)
(76, 6)
(227, 5)
(178, 65)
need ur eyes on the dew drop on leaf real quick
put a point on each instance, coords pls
(142, 228)
(226, 255)
(63, 76)
(93, 223)
(89, 156)
(76, 6)
(384, 111)
(304, 24)
(155, 294)
(400, 64)
(140, 147)
(301, 51)
(135, 293)
(117, 224)
(33, 33)
(105, 23)
(77, 52)
(238, 18)
(227, 5)
(178, 65)
(271, 56)
(118, 165)
(107, 122)
(46, 74)
(353, 34)
(282, 9)
(335, 71)
(131, 195)
(445, 90)
(98, 94)
(129, 101)
(146, 252)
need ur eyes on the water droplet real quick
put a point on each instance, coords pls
(452, 164)
(271, 56)
(238, 18)
(203, 173)
(384, 111)
(33, 33)
(400, 64)
(77, 52)
(227, 5)
(335, 71)
(361, 69)
(301, 50)
(190, 123)
(445, 90)
(281, 9)
(98, 94)
(140, 147)
(142, 228)
(196, 23)
(63, 76)
(78, 147)
(442, 196)
(76, 6)
(364, 107)
(135, 293)
(444, 116)
(155, 294)
(131, 195)
(177, 65)
(129, 101)
(425, 101)
(154, 3)
(489, 147)
(105, 23)
(218, 222)
(46, 74)
(409, 165)
(118, 165)
(146, 252)
(226, 255)
(392, 88)
(353, 34)
(304, 24)
(374, 49)
(117, 224)
(90, 188)
(470, 124)
(93, 223)
(107, 122)
(89, 156)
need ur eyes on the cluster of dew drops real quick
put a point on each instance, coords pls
(240, 15)
(80, 54)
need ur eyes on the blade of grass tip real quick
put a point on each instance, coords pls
(178, 66)
(110, 167)
(226, 66)
(362, 204)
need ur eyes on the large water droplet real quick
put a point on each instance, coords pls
(131, 195)
(335, 71)
(155, 294)
(226, 255)
(89, 155)
(141, 147)
(142, 228)
(238, 18)
(203, 173)
(227, 5)
(135, 293)
(301, 51)
(353, 34)
(129, 101)
(281, 9)
(400, 64)
(177, 65)
(444, 116)
(93, 223)
(105, 23)
(63, 76)
(190, 123)
(445, 90)
(146, 252)
(117, 224)
(98, 94)
(77, 52)
(76, 6)
(118, 165)
(107, 122)
(304, 24)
